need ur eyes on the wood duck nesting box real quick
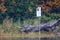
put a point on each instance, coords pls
(38, 11)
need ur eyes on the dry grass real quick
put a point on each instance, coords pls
(27, 35)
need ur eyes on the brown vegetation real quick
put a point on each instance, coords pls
(48, 5)
(2, 7)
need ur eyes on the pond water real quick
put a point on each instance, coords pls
(30, 38)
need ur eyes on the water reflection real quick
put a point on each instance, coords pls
(29, 38)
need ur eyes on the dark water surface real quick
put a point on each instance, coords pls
(10, 38)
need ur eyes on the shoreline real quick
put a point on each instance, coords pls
(33, 35)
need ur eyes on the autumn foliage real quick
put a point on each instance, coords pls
(2, 7)
(48, 5)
